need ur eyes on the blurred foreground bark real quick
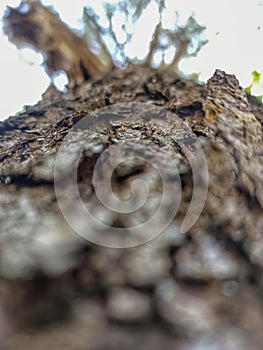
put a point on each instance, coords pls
(183, 291)
(197, 290)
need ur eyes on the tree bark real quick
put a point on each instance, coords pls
(197, 289)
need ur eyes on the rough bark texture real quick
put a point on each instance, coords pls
(198, 290)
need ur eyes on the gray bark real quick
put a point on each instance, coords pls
(199, 289)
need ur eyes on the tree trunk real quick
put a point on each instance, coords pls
(192, 277)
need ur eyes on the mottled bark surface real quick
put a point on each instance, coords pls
(197, 290)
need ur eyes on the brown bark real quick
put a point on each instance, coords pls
(31, 24)
(199, 283)
(200, 289)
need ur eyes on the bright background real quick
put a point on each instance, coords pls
(234, 31)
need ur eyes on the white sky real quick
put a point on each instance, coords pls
(234, 31)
